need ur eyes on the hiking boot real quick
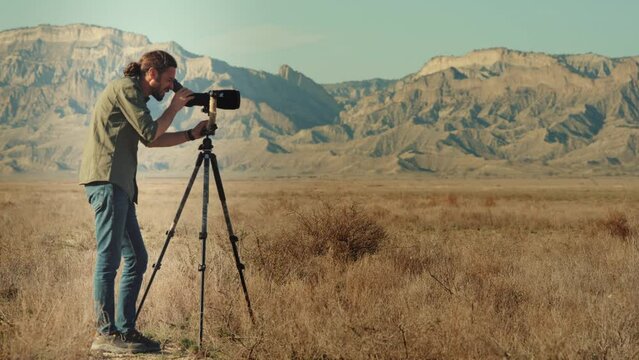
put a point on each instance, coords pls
(110, 343)
(139, 343)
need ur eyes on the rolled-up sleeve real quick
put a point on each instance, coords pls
(134, 108)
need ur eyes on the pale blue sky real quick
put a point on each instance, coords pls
(333, 41)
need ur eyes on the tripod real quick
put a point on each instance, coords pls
(207, 157)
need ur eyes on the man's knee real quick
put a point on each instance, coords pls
(106, 269)
(137, 263)
(143, 261)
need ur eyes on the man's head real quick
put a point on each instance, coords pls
(156, 70)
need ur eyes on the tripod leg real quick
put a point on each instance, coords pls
(232, 237)
(170, 232)
(203, 236)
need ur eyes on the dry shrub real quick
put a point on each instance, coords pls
(346, 231)
(452, 200)
(316, 239)
(616, 224)
(490, 201)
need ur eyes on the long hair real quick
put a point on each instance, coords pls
(158, 59)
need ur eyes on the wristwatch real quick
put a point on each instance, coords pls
(189, 134)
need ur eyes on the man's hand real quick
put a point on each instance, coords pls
(198, 130)
(180, 99)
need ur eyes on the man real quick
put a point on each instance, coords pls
(121, 119)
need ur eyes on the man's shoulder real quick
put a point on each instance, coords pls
(125, 83)
(127, 87)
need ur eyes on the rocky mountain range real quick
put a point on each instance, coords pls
(491, 112)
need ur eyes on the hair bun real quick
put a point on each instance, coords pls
(133, 69)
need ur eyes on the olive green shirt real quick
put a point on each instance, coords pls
(120, 120)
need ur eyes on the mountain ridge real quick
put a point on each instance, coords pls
(491, 112)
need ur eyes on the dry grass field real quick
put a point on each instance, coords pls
(351, 269)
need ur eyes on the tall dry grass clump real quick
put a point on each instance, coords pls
(616, 224)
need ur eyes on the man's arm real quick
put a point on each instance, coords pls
(177, 138)
(180, 98)
(164, 121)
(133, 106)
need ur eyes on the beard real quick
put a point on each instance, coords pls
(157, 95)
(157, 92)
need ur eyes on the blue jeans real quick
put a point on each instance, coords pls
(118, 236)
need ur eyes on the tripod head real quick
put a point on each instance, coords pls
(211, 109)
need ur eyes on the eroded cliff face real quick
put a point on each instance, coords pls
(508, 108)
(490, 112)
